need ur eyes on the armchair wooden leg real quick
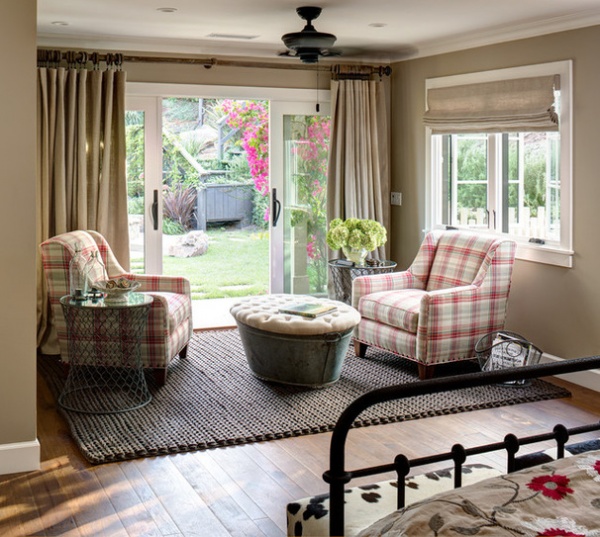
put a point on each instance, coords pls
(360, 348)
(183, 352)
(160, 375)
(426, 371)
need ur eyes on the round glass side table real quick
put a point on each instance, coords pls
(105, 369)
(342, 274)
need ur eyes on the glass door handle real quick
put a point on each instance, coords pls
(155, 211)
(276, 207)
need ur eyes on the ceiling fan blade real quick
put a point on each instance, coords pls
(331, 52)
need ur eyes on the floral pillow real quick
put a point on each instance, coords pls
(561, 498)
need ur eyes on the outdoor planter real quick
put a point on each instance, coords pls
(224, 203)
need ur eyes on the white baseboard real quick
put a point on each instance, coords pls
(19, 457)
(588, 379)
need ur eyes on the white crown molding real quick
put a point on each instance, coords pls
(19, 457)
(503, 34)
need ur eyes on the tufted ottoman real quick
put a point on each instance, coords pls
(290, 348)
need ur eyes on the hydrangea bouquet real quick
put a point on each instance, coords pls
(355, 234)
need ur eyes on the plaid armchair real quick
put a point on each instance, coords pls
(169, 327)
(455, 291)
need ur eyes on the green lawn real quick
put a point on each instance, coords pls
(236, 264)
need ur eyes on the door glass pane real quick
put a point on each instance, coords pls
(215, 195)
(135, 131)
(306, 146)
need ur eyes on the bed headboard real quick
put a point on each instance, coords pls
(338, 476)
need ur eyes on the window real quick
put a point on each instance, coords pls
(499, 147)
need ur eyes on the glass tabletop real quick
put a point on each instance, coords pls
(129, 300)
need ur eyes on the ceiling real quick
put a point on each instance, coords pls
(366, 30)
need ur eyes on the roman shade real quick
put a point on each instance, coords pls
(514, 105)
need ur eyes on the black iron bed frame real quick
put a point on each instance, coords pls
(338, 477)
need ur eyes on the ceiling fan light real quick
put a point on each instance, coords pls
(309, 56)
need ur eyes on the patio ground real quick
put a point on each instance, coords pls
(213, 313)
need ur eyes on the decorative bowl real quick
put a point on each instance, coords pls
(117, 289)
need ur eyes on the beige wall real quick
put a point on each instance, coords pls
(557, 308)
(17, 226)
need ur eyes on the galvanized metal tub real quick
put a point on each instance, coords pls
(301, 360)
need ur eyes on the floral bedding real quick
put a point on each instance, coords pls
(561, 498)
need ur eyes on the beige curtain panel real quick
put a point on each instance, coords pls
(519, 105)
(358, 182)
(81, 181)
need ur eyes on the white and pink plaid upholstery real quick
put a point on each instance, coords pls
(455, 291)
(170, 324)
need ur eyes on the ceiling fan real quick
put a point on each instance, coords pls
(309, 44)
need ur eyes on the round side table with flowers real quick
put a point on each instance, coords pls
(343, 272)
(356, 237)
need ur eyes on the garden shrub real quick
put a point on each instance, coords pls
(179, 205)
(171, 227)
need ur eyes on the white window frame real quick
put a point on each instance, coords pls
(554, 254)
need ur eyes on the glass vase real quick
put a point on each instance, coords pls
(356, 255)
(77, 281)
(94, 271)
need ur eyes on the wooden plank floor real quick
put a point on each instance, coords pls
(235, 491)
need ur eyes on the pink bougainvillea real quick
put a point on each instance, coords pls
(252, 119)
(312, 248)
(311, 149)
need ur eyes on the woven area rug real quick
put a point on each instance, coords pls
(211, 399)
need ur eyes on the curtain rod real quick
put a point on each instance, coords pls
(207, 63)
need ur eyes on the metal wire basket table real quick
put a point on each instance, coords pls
(105, 372)
(342, 275)
(503, 350)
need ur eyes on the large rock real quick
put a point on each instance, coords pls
(191, 245)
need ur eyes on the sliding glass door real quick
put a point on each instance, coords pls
(246, 167)
(144, 183)
(300, 151)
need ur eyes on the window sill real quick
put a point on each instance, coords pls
(545, 254)
(527, 251)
